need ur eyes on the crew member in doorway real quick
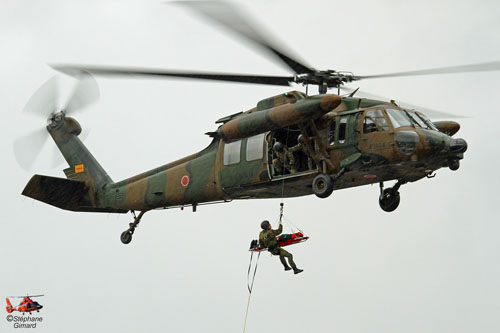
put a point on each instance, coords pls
(267, 239)
(301, 148)
(283, 159)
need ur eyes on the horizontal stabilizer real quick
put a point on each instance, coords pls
(64, 193)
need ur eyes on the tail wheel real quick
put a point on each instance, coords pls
(126, 236)
(322, 186)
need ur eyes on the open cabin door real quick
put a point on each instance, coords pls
(287, 153)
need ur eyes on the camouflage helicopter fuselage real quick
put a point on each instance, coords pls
(352, 141)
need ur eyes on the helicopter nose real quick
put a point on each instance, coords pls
(458, 146)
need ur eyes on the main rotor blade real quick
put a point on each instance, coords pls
(28, 147)
(229, 17)
(114, 71)
(482, 67)
(44, 101)
(431, 113)
(85, 92)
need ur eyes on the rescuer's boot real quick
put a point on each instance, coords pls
(297, 271)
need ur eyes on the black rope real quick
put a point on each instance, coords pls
(250, 286)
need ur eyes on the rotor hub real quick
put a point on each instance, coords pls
(56, 118)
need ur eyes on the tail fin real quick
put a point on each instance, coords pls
(9, 307)
(83, 166)
(85, 175)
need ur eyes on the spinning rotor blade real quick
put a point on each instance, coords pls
(28, 147)
(84, 93)
(44, 101)
(114, 71)
(431, 113)
(25, 296)
(482, 67)
(229, 17)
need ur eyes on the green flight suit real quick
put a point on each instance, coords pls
(302, 147)
(284, 159)
(267, 239)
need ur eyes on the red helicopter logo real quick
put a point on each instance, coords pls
(26, 305)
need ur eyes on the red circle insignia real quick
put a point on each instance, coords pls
(185, 181)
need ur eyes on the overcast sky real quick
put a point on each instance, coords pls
(430, 266)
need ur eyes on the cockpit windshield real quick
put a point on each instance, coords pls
(418, 120)
(426, 120)
(400, 118)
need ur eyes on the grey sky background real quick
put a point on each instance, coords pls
(430, 266)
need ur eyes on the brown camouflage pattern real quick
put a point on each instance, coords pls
(406, 153)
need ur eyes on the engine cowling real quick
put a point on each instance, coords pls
(281, 116)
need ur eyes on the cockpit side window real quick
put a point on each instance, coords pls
(342, 129)
(331, 132)
(375, 122)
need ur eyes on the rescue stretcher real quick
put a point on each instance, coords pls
(283, 240)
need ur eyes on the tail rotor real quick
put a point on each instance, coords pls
(45, 102)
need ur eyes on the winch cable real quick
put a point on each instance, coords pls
(250, 285)
(283, 174)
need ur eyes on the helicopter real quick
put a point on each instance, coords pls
(26, 305)
(329, 141)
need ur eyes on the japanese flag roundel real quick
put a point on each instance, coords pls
(185, 181)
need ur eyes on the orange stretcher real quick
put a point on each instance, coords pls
(283, 240)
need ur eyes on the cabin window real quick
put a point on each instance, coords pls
(374, 122)
(232, 152)
(255, 147)
(342, 129)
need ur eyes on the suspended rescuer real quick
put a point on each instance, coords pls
(267, 238)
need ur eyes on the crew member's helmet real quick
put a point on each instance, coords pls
(278, 146)
(265, 224)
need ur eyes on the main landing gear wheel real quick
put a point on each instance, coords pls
(126, 236)
(322, 185)
(389, 200)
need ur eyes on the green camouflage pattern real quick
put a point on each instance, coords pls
(343, 150)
